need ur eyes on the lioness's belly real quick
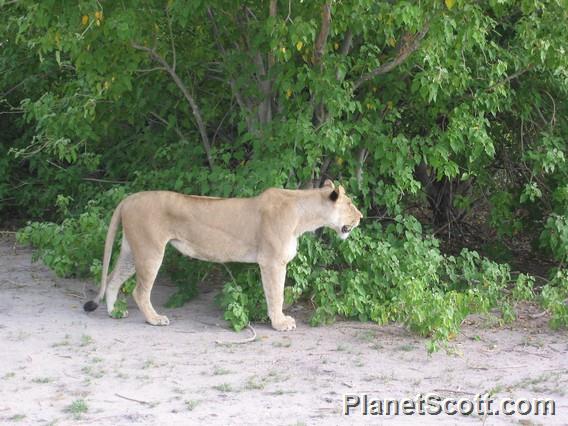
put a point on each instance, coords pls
(227, 253)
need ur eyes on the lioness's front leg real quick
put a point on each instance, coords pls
(273, 277)
(146, 271)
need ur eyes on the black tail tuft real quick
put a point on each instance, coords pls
(90, 306)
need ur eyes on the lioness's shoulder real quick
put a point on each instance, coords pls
(278, 196)
(273, 193)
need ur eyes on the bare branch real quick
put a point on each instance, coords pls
(6, 93)
(250, 13)
(553, 119)
(105, 180)
(147, 70)
(407, 48)
(345, 46)
(320, 114)
(265, 87)
(361, 157)
(9, 2)
(265, 108)
(509, 78)
(243, 103)
(159, 118)
(214, 138)
(165, 123)
(259, 62)
(324, 32)
(194, 108)
(347, 42)
(323, 171)
(171, 38)
(272, 9)
(288, 17)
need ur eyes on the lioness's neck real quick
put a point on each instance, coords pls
(312, 211)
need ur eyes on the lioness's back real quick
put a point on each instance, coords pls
(212, 224)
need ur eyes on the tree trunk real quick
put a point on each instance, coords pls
(441, 195)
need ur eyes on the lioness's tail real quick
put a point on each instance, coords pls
(91, 305)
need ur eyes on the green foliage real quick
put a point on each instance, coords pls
(186, 275)
(57, 244)
(555, 237)
(119, 310)
(554, 298)
(524, 288)
(242, 297)
(98, 100)
(74, 247)
(433, 294)
(395, 275)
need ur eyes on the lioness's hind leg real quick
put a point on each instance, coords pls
(123, 270)
(146, 271)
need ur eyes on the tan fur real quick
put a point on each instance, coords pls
(262, 229)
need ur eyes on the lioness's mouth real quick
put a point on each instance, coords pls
(346, 228)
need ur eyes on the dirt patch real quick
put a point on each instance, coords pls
(59, 365)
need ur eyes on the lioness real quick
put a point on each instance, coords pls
(262, 229)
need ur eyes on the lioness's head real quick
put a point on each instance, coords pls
(345, 215)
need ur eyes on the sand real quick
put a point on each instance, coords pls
(59, 365)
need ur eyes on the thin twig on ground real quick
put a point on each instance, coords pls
(539, 315)
(454, 391)
(73, 294)
(133, 400)
(499, 368)
(240, 342)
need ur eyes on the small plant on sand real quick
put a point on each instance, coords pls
(17, 417)
(191, 404)
(86, 340)
(224, 387)
(77, 407)
(220, 371)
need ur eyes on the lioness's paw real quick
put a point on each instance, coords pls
(286, 323)
(159, 320)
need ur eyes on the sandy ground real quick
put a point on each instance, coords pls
(59, 365)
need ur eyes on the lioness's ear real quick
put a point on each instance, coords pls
(334, 195)
(328, 183)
